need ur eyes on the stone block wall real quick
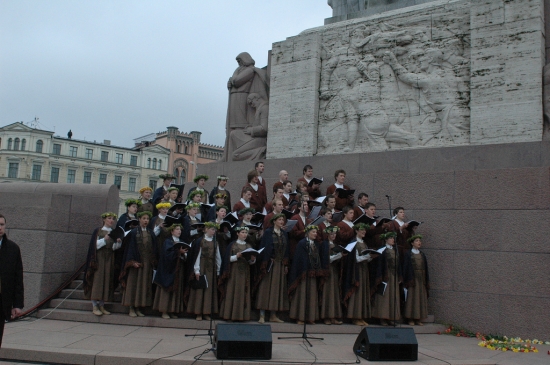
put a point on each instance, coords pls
(52, 224)
(485, 211)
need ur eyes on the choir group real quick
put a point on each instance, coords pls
(313, 256)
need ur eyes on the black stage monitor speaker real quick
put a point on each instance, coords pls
(243, 341)
(387, 344)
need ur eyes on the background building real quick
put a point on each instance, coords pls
(186, 151)
(30, 154)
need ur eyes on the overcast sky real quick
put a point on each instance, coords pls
(119, 70)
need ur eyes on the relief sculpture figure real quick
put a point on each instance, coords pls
(245, 80)
(439, 88)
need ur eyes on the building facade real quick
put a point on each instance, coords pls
(30, 154)
(186, 151)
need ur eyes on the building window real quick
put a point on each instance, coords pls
(118, 181)
(186, 150)
(36, 172)
(154, 164)
(23, 144)
(160, 164)
(118, 158)
(132, 184)
(10, 141)
(71, 176)
(55, 175)
(182, 177)
(16, 145)
(56, 149)
(89, 153)
(73, 151)
(149, 163)
(87, 177)
(153, 184)
(13, 169)
(178, 148)
(133, 160)
(39, 145)
(103, 178)
(104, 156)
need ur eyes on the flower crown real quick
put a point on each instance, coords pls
(277, 216)
(196, 192)
(174, 226)
(311, 228)
(212, 225)
(385, 236)
(192, 205)
(332, 229)
(411, 239)
(145, 212)
(198, 177)
(360, 226)
(163, 205)
(129, 202)
(247, 210)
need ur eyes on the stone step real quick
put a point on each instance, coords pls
(75, 284)
(71, 293)
(79, 294)
(116, 307)
(85, 305)
(191, 323)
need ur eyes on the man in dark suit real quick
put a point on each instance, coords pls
(11, 279)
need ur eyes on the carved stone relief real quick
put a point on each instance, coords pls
(385, 86)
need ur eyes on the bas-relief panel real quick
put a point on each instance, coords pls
(393, 84)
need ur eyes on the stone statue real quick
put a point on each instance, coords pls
(250, 143)
(343, 7)
(245, 80)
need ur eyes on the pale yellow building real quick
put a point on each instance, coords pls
(30, 154)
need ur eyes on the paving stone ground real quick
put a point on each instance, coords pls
(68, 342)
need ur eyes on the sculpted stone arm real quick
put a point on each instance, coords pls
(369, 70)
(415, 80)
(358, 42)
(326, 73)
(242, 78)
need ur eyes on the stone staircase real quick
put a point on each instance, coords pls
(71, 306)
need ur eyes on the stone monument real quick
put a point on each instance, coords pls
(443, 73)
(438, 104)
(241, 114)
